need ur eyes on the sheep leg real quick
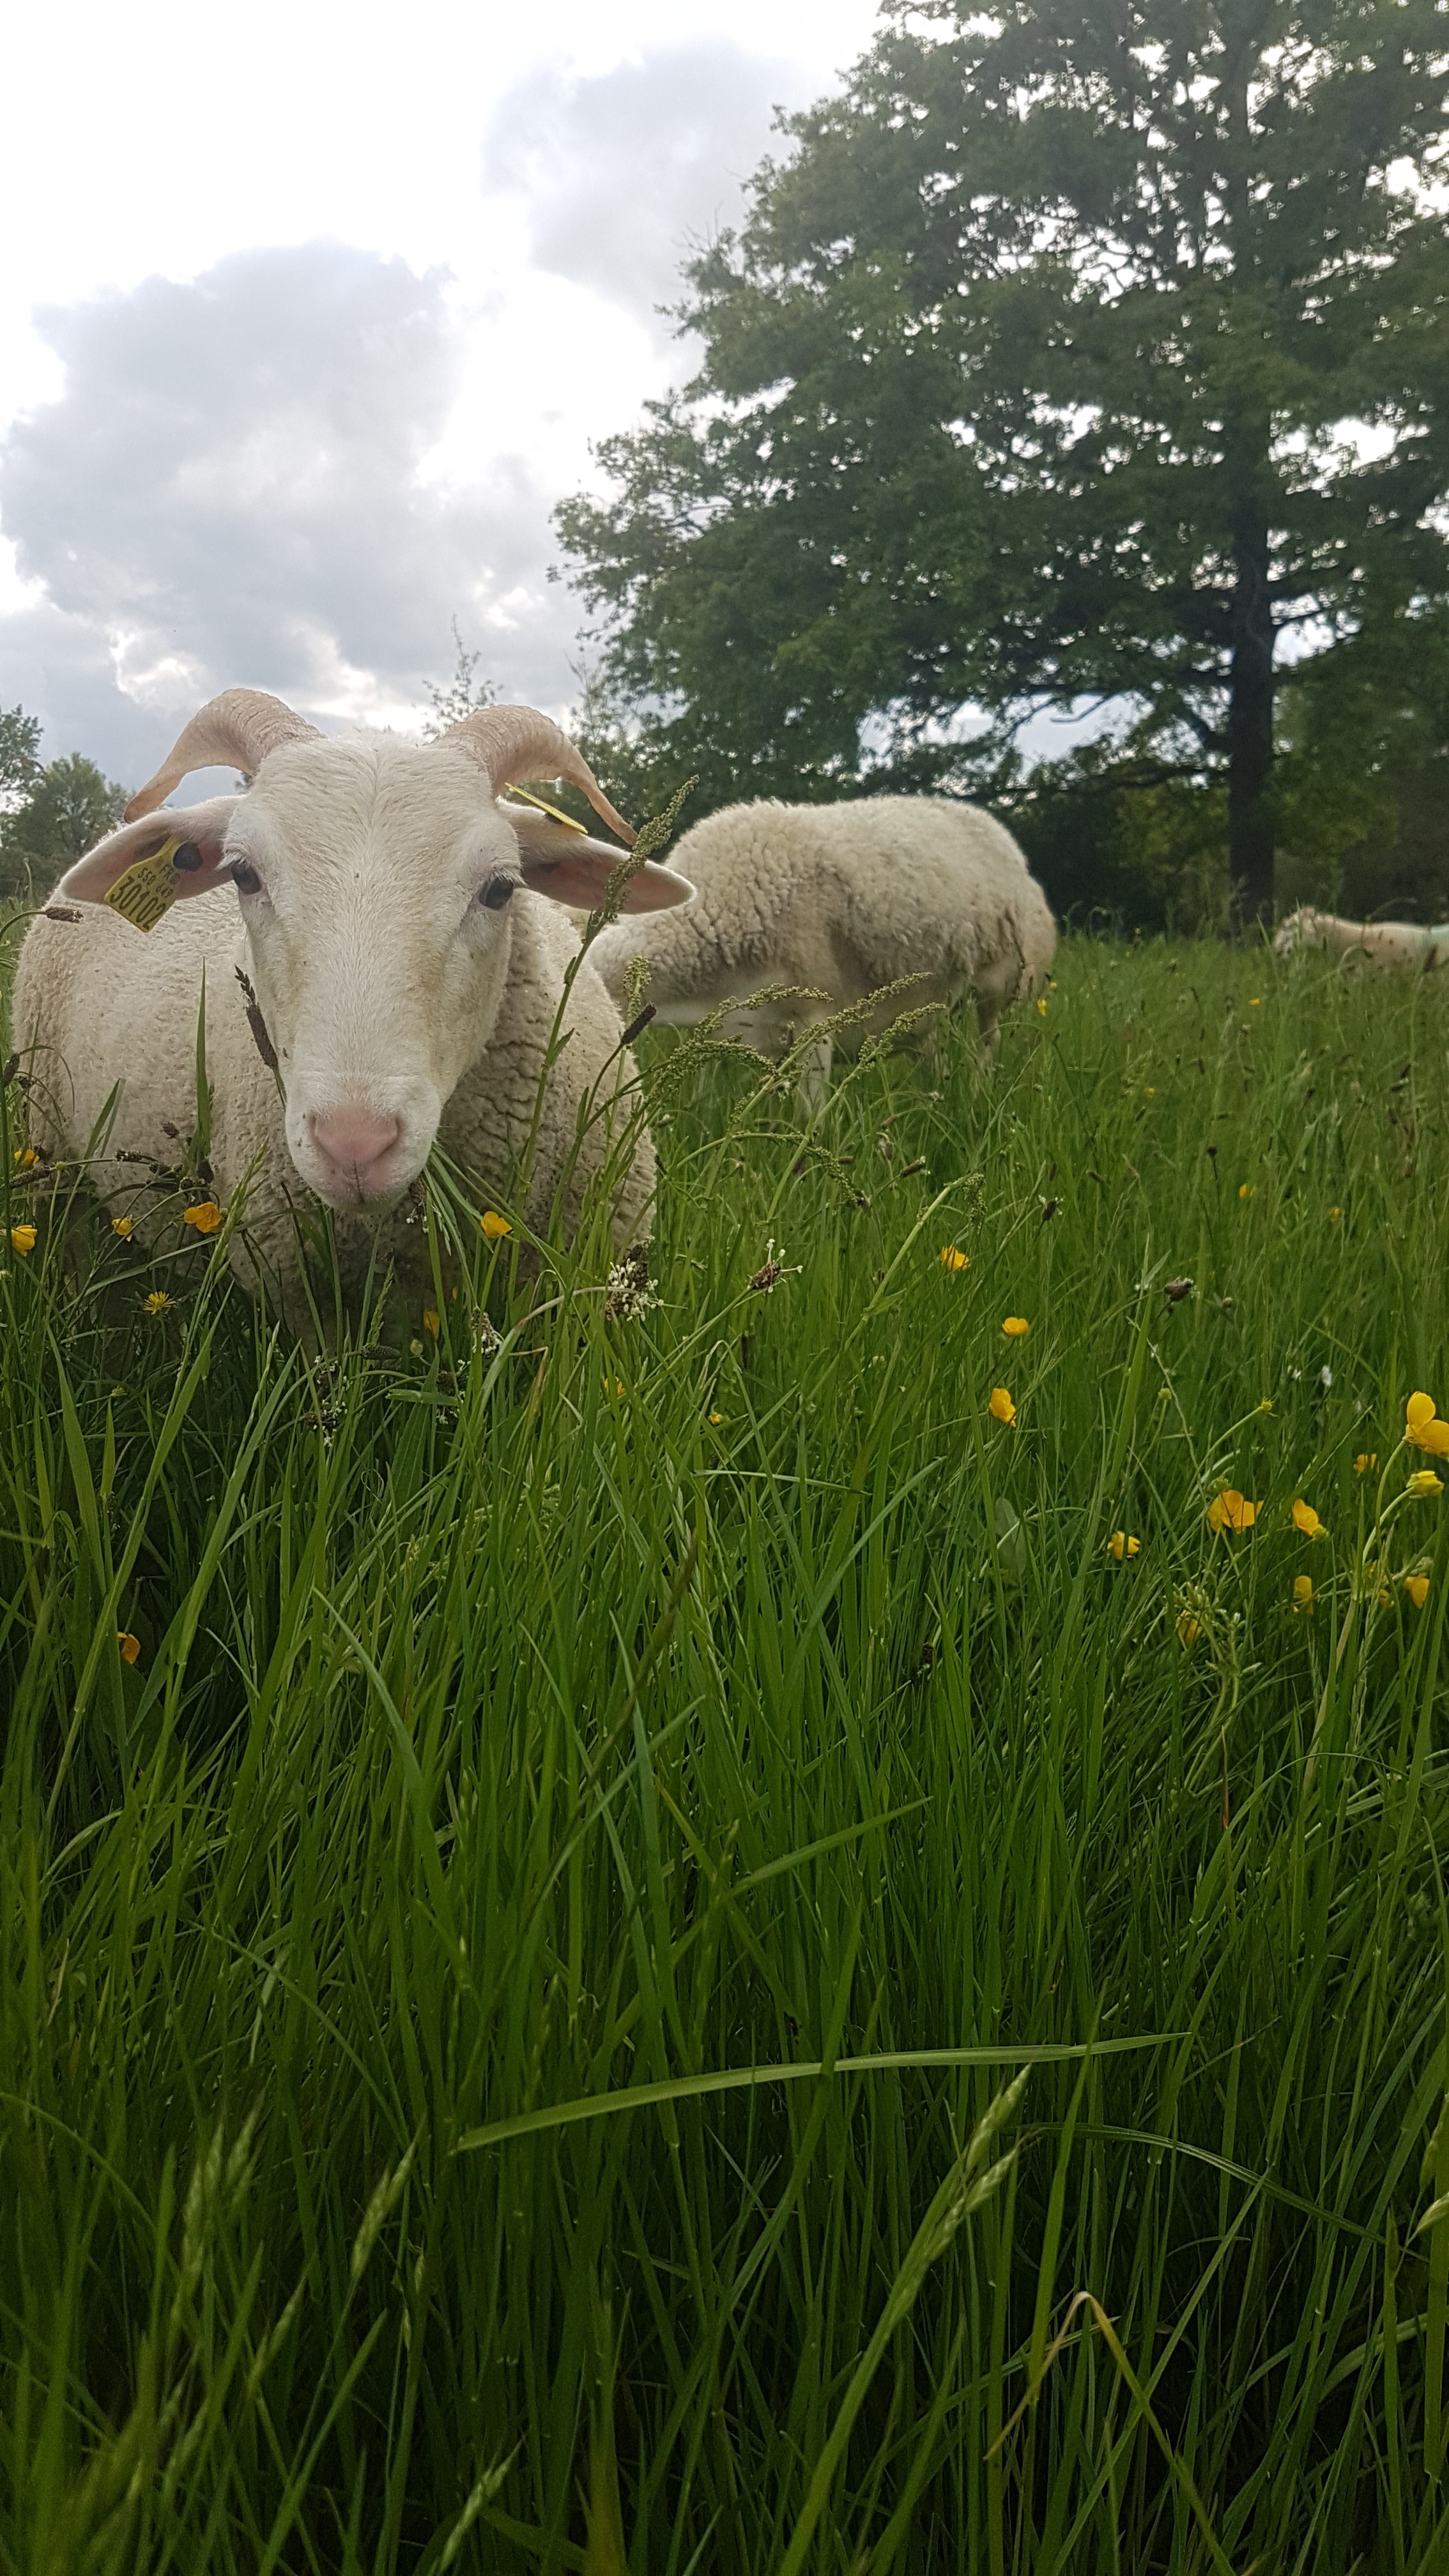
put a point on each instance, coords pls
(988, 1021)
(814, 1085)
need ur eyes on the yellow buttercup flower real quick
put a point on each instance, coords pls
(1417, 1588)
(1302, 1592)
(1306, 1519)
(205, 1216)
(1365, 1462)
(1041, 1006)
(1014, 1326)
(432, 1321)
(1423, 1428)
(613, 1386)
(1247, 1190)
(121, 1225)
(25, 1156)
(494, 1227)
(1255, 1001)
(1001, 1408)
(1334, 1214)
(715, 1420)
(952, 1259)
(1122, 1543)
(1188, 1631)
(157, 1302)
(1424, 1483)
(130, 1646)
(1231, 1511)
(22, 1239)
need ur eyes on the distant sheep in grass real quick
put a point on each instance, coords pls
(1382, 943)
(385, 905)
(842, 900)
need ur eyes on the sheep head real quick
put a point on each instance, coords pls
(375, 878)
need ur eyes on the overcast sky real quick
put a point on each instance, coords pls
(308, 317)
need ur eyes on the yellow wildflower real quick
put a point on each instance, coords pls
(1365, 1462)
(1424, 1483)
(1229, 1510)
(1423, 1429)
(952, 1259)
(432, 1321)
(1121, 1543)
(130, 1646)
(1247, 1190)
(1254, 1001)
(22, 1239)
(1148, 1093)
(1334, 1214)
(1306, 1519)
(1001, 1408)
(1417, 1588)
(1041, 1006)
(494, 1227)
(205, 1216)
(1302, 1592)
(715, 1420)
(1014, 1326)
(121, 1225)
(157, 1302)
(25, 1156)
(613, 1386)
(1188, 1631)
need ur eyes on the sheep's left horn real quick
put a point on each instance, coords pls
(234, 731)
(517, 742)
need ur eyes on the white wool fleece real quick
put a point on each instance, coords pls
(844, 899)
(406, 976)
(1380, 943)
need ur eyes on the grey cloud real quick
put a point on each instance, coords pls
(626, 173)
(228, 489)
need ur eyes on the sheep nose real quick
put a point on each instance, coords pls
(354, 1139)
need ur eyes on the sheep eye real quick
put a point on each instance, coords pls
(245, 879)
(496, 893)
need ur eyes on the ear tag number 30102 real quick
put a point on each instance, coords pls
(146, 891)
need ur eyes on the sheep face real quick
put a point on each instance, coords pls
(375, 884)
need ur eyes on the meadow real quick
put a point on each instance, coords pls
(653, 1940)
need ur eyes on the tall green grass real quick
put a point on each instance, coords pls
(662, 1961)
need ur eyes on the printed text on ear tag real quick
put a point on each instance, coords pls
(148, 889)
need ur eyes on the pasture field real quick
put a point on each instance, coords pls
(662, 1960)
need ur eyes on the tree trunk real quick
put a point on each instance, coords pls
(1250, 721)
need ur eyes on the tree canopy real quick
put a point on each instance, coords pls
(1095, 350)
(69, 807)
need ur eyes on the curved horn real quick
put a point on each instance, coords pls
(517, 742)
(234, 731)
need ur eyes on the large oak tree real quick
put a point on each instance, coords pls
(1085, 349)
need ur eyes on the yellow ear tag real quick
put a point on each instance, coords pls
(146, 891)
(552, 811)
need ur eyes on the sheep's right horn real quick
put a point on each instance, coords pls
(234, 731)
(517, 742)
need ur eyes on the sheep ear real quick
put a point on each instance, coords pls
(192, 839)
(572, 868)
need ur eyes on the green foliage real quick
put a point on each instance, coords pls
(19, 752)
(69, 807)
(504, 2002)
(1026, 382)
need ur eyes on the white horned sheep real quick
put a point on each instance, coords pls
(843, 900)
(1382, 943)
(384, 905)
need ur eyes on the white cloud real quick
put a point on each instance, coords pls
(295, 377)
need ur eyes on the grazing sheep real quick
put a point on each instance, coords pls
(385, 907)
(1383, 943)
(843, 900)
